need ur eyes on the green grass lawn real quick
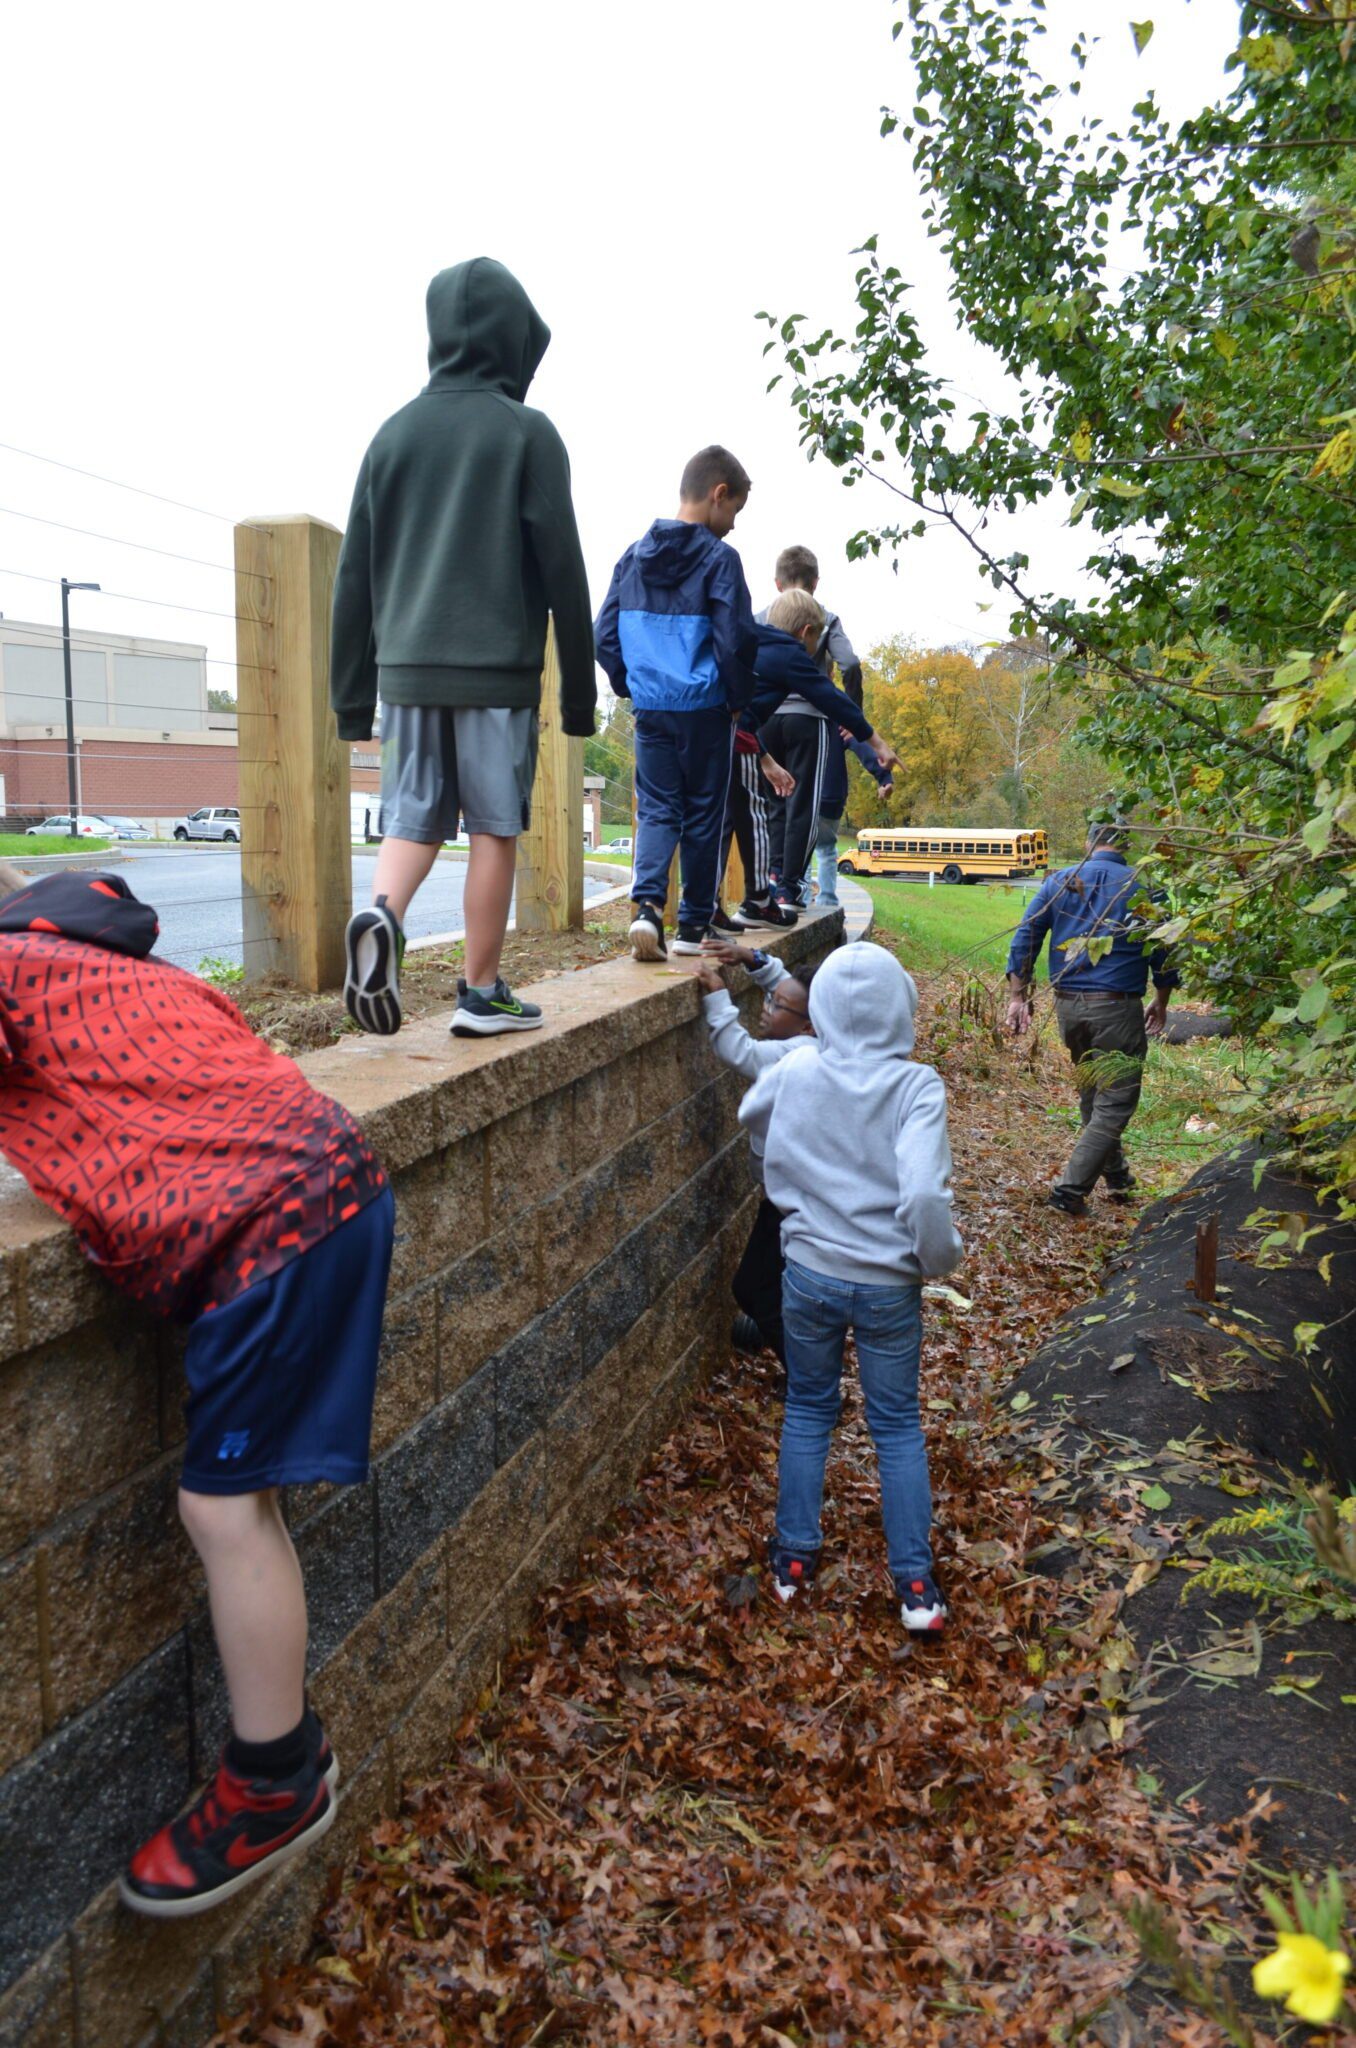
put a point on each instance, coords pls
(960, 926)
(959, 930)
(18, 845)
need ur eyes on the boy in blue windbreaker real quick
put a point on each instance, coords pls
(676, 636)
(800, 715)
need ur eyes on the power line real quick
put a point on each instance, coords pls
(137, 704)
(163, 604)
(93, 475)
(198, 561)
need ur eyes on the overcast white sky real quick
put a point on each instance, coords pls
(221, 221)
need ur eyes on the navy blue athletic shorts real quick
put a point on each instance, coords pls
(281, 1379)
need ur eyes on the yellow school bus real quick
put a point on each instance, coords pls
(953, 853)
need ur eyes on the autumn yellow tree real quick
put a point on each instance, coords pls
(926, 702)
(981, 742)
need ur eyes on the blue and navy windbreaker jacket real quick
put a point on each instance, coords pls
(676, 630)
(833, 790)
(1103, 897)
(784, 669)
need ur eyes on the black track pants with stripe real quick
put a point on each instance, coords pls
(748, 820)
(801, 744)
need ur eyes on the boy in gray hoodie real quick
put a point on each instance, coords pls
(856, 1157)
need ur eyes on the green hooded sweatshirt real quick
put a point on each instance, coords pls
(462, 534)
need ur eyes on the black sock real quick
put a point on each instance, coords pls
(281, 1758)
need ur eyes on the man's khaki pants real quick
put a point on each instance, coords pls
(1107, 1042)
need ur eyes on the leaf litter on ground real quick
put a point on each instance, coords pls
(686, 1814)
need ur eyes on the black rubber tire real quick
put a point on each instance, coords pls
(180, 833)
(847, 866)
(230, 838)
(951, 873)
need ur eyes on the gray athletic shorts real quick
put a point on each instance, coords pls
(439, 766)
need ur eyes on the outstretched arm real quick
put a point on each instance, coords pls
(1025, 951)
(923, 1158)
(733, 634)
(607, 645)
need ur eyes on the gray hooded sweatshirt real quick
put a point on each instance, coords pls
(854, 1132)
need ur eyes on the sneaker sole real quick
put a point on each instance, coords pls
(202, 1902)
(466, 1026)
(926, 1622)
(646, 943)
(749, 920)
(687, 946)
(371, 976)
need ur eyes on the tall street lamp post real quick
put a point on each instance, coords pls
(72, 776)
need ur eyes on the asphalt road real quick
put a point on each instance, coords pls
(197, 896)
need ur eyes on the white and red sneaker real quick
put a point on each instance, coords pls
(921, 1607)
(790, 1574)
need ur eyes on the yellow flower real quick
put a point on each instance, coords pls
(1307, 1974)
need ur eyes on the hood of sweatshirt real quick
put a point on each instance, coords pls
(671, 551)
(862, 1005)
(98, 909)
(483, 329)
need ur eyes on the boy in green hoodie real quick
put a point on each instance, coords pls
(461, 539)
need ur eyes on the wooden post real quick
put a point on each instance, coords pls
(550, 887)
(1207, 1255)
(296, 856)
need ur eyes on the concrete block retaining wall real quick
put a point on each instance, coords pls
(570, 1210)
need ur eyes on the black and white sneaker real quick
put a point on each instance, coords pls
(478, 1016)
(691, 938)
(721, 923)
(767, 912)
(374, 947)
(921, 1606)
(647, 933)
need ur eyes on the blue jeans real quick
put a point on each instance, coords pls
(817, 1314)
(826, 858)
(682, 775)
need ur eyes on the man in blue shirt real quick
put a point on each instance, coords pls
(1096, 916)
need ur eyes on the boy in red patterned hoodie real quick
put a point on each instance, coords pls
(208, 1181)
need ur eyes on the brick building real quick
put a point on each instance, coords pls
(148, 745)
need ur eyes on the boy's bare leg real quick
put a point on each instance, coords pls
(489, 891)
(258, 1607)
(402, 864)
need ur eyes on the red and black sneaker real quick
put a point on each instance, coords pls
(235, 1831)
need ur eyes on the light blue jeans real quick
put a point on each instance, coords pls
(818, 1313)
(826, 859)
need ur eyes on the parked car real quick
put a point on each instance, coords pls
(364, 810)
(125, 828)
(617, 846)
(211, 823)
(87, 827)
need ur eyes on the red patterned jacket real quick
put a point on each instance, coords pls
(189, 1159)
